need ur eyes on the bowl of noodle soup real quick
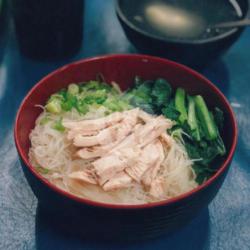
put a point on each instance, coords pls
(130, 212)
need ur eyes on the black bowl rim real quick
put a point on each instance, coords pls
(123, 17)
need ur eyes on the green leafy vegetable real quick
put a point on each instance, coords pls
(161, 92)
(111, 104)
(99, 97)
(192, 120)
(207, 123)
(58, 125)
(82, 107)
(116, 104)
(82, 96)
(218, 118)
(202, 173)
(141, 96)
(61, 94)
(204, 152)
(171, 112)
(44, 120)
(180, 104)
(73, 89)
(95, 85)
(54, 106)
(219, 145)
(69, 102)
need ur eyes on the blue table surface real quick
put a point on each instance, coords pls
(224, 225)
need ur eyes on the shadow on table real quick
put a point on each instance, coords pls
(55, 232)
(219, 75)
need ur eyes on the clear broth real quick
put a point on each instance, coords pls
(182, 19)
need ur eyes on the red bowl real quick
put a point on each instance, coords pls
(123, 220)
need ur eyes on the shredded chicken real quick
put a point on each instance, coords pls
(121, 180)
(95, 124)
(151, 173)
(96, 151)
(124, 147)
(85, 176)
(74, 132)
(108, 166)
(149, 155)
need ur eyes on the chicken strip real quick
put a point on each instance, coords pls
(164, 136)
(95, 124)
(167, 139)
(147, 158)
(105, 136)
(76, 131)
(94, 152)
(151, 130)
(84, 175)
(87, 138)
(144, 134)
(108, 135)
(144, 116)
(151, 172)
(108, 166)
(121, 180)
(115, 162)
(97, 151)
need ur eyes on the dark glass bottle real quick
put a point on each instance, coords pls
(48, 29)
